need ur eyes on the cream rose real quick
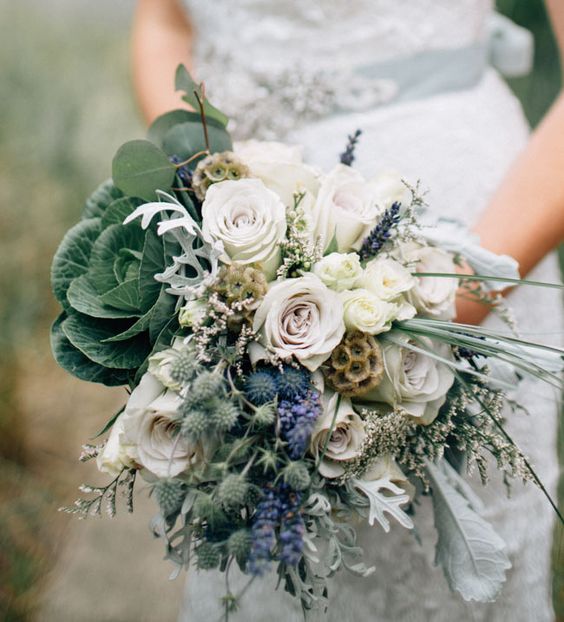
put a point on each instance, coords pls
(339, 271)
(300, 318)
(431, 296)
(193, 312)
(113, 458)
(150, 437)
(160, 365)
(413, 380)
(348, 206)
(386, 278)
(248, 219)
(347, 435)
(280, 167)
(366, 312)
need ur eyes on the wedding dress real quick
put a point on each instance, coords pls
(414, 77)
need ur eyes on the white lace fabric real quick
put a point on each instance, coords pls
(460, 146)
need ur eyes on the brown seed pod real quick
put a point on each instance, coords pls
(356, 365)
(217, 167)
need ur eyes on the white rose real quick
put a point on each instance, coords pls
(113, 457)
(280, 167)
(150, 431)
(250, 221)
(414, 381)
(348, 206)
(338, 271)
(301, 318)
(160, 365)
(431, 296)
(345, 208)
(193, 312)
(346, 437)
(386, 278)
(366, 312)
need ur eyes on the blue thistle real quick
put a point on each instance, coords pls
(297, 419)
(292, 382)
(381, 233)
(347, 157)
(261, 387)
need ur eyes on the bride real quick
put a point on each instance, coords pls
(415, 78)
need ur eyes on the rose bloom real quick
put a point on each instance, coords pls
(300, 318)
(386, 278)
(366, 312)
(248, 219)
(146, 433)
(431, 296)
(280, 167)
(160, 365)
(348, 206)
(113, 458)
(339, 271)
(414, 381)
(346, 438)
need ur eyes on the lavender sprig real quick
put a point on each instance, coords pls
(381, 233)
(347, 157)
(297, 419)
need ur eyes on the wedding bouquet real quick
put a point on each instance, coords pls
(288, 341)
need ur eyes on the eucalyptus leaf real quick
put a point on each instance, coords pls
(471, 554)
(73, 256)
(188, 139)
(99, 200)
(184, 82)
(84, 298)
(89, 334)
(140, 168)
(161, 125)
(75, 362)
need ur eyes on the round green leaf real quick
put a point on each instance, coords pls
(187, 139)
(161, 125)
(139, 168)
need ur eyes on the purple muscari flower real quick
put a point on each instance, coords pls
(381, 233)
(183, 172)
(347, 157)
(292, 531)
(263, 534)
(277, 511)
(297, 419)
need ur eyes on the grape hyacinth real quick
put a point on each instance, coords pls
(297, 419)
(278, 510)
(183, 172)
(263, 532)
(381, 233)
(347, 157)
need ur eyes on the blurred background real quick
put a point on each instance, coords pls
(65, 107)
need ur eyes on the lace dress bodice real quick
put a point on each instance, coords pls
(263, 58)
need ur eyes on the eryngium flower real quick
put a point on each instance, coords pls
(356, 365)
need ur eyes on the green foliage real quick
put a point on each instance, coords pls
(140, 168)
(103, 276)
(194, 96)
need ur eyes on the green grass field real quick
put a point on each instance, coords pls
(65, 109)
